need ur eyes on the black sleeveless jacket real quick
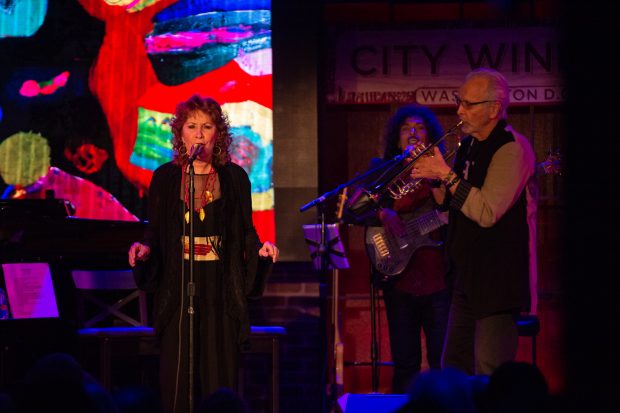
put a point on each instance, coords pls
(491, 264)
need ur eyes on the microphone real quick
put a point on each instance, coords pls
(195, 151)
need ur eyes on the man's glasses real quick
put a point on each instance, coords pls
(467, 105)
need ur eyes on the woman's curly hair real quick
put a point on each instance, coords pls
(223, 139)
(391, 138)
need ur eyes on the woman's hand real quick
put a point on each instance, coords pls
(138, 252)
(392, 222)
(269, 250)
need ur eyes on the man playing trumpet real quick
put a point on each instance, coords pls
(488, 233)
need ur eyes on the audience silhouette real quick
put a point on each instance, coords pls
(137, 399)
(6, 403)
(516, 387)
(57, 383)
(223, 400)
(440, 391)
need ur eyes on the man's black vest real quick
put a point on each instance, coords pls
(491, 264)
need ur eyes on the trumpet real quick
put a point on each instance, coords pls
(402, 184)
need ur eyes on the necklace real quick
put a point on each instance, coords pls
(206, 195)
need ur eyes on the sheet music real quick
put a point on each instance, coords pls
(30, 291)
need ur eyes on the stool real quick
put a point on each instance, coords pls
(126, 326)
(529, 326)
(266, 340)
(105, 336)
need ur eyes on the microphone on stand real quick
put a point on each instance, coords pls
(191, 290)
(196, 150)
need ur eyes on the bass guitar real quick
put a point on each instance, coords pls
(390, 254)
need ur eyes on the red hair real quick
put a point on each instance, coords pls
(209, 107)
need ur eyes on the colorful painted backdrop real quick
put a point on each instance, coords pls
(89, 87)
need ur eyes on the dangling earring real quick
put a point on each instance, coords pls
(182, 150)
(217, 150)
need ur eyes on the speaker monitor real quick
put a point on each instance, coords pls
(375, 403)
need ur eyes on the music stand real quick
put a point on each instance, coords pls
(334, 249)
(327, 253)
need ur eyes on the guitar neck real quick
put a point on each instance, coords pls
(424, 223)
(390, 254)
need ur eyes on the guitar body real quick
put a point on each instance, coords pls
(390, 255)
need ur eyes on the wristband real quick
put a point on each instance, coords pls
(452, 182)
(450, 176)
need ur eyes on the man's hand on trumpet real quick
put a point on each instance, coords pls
(431, 167)
(435, 167)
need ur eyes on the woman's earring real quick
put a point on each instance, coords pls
(217, 150)
(182, 150)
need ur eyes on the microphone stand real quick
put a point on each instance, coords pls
(374, 358)
(323, 251)
(330, 194)
(324, 255)
(191, 290)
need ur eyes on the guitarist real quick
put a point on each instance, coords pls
(417, 299)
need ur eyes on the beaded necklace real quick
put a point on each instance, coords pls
(206, 195)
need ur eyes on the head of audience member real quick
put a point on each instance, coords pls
(6, 404)
(138, 399)
(440, 391)
(482, 101)
(223, 401)
(479, 384)
(516, 387)
(57, 383)
(409, 126)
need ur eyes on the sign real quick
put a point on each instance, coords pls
(428, 66)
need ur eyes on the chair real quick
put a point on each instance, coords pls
(266, 340)
(529, 326)
(111, 295)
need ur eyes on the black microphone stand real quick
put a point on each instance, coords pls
(374, 345)
(330, 194)
(191, 290)
(324, 254)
